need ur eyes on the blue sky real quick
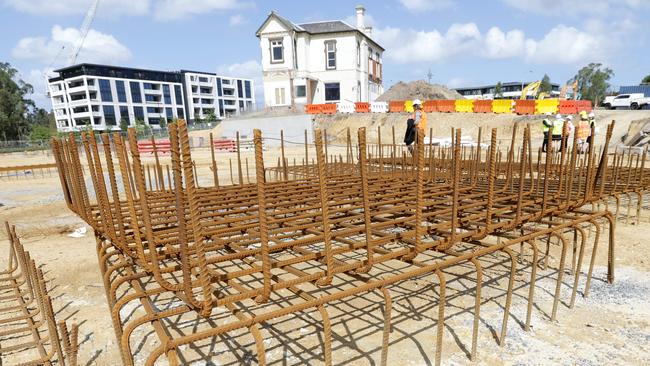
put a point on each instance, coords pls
(463, 43)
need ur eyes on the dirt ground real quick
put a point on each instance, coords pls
(611, 326)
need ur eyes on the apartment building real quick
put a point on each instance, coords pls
(320, 62)
(101, 96)
(509, 90)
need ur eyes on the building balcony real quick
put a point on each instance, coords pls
(227, 86)
(80, 89)
(86, 114)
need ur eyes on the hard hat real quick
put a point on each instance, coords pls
(558, 116)
(548, 114)
(417, 102)
(569, 117)
(583, 114)
(591, 115)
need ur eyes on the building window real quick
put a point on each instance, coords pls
(109, 115)
(219, 93)
(121, 91)
(152, 110)
(179, 94)
(330, 55)
(277, 51)
(138, 112)
(203, 79)
(221, 107)
(332, 92)
(167, 94)
(241, 105)
(136, 96)
(180, 113)
(358, 53)
(240, 89)
(124, 114)
(301, 91)
(105, 90)
(170, 113)
(247, 85)
(279, 96)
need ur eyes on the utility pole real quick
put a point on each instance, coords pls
(429, 76)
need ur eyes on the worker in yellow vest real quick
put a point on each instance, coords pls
(582, 132)
(546, 127)
(558, 125)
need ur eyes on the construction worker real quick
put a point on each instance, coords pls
(592, 126)
(582, 132)
(420, 120)
(546, 126)
(569, 131)
(558, 125)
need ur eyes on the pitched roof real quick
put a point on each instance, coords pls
(326, 27)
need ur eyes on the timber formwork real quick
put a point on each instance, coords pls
(28, 332)
(198, 267)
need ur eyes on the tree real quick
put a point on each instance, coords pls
(498, 91)
(593, 82)
(163, 124)
(545, 86)
(124, 124)
(40, 133)
(646, 80)
(211, 117)
(142, 128)
(14, 105)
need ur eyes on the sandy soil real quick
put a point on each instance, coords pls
(611, 326)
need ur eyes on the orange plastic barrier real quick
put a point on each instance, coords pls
(584, 105)
(162, 147)
(362, 107)
(314, 108)
(446, 106)
(225, 145)
(430, 106)
(525, 106)
(483, 106)
(396, 106)
(328, 108)
(568, 107)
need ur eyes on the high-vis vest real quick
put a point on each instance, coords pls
(583, 129)
(422, 125)
(558, 125)
(546, 125)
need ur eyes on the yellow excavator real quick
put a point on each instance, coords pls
(564, 89)
(534, 87)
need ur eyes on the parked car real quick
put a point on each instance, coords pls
(621, 100)
(640, 103)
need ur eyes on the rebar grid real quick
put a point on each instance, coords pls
(322, 235)
(29, 334)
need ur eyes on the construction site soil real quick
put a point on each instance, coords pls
(611, 326)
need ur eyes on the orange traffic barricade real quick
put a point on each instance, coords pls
(483, 106)
(430, 106)
(584, 105)
(568, 107)
(314, 108)
(396, 106)
(328, 108)
(446, 106)
(525, 106)
(362, 107)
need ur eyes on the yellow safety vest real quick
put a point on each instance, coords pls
(558, 125)
(545, 128)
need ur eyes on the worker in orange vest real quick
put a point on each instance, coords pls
(420, 119)
(582, 132)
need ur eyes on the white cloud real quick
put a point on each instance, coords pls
(98, 47)
(237, 20)
(561, 45)
(575, 7)
(69, 7)
(178, 9)
(426, 5)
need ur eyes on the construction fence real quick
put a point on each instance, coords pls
(521, 107)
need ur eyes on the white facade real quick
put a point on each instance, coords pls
(102, 96)
(323, 62)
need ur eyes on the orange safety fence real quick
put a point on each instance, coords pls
(525, 106)
(329, 108)
(314, 108)
(584, 105)
(396, 106)
(361, 107)
(568, 107)
(483, 106)
(147, 147)
(430, 106)
(446, 106)
(225, 145)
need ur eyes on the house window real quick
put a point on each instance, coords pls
(332, 92)
(301, 91)
(358, 53)
(277, 51)
(279, 96)
(330, 55)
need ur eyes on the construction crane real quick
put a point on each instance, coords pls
(83, 32)
(534, 87)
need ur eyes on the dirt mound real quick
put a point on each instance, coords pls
(419, 89)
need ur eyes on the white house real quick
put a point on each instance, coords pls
(321, 62)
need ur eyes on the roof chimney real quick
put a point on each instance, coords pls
(360, 18)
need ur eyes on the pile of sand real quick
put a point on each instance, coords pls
(419, 89)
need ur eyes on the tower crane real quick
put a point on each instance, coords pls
(83, 32)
